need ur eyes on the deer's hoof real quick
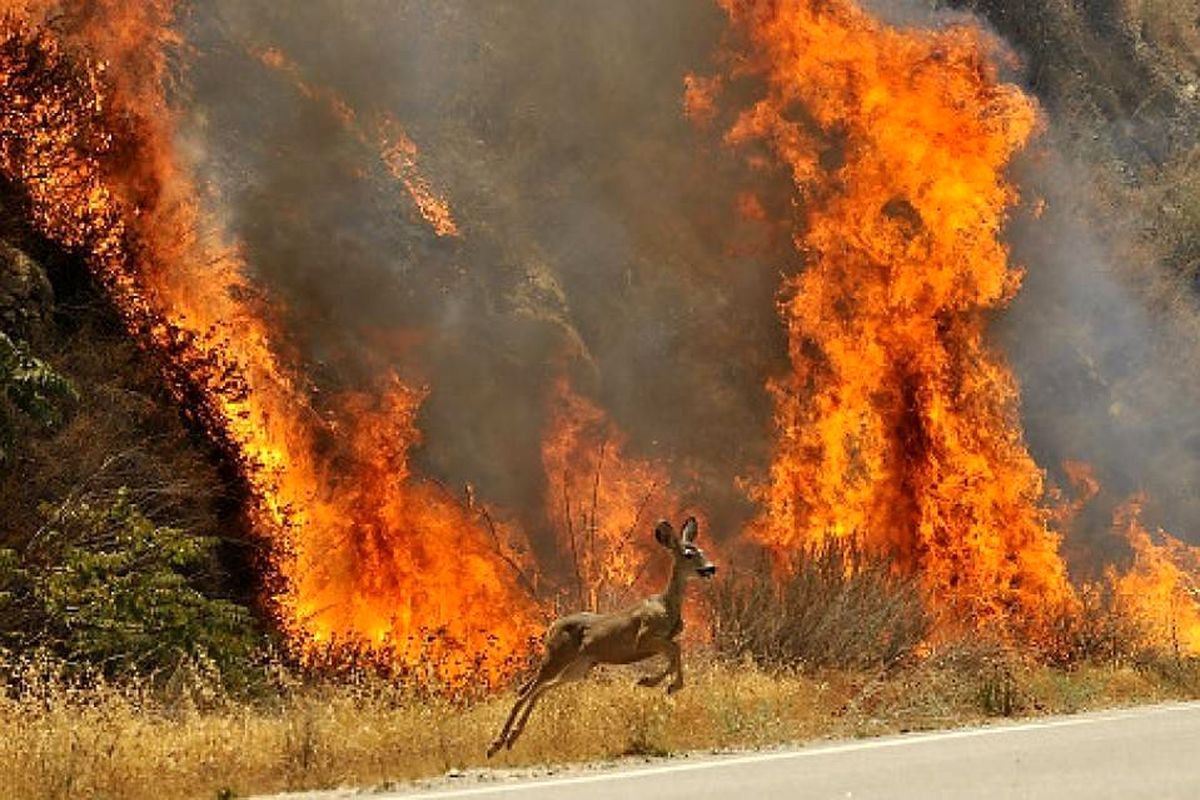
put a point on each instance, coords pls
(493, 747)
(674, 687)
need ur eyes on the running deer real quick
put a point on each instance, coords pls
(576, 643)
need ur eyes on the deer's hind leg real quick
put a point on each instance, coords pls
(575, 670)
(522, 697)
(558, 659)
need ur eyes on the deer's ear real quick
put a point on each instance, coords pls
(665, 534)
(690, 529)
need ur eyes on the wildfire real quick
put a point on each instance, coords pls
(396, 150)
(1161, 588)
(366, 554)
(898, 424)
(601, 500)
(1159, 592)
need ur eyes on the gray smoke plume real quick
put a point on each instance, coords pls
(598, 239)
(598, 231)
(1105, 379)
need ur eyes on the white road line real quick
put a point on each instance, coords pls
(903, 740)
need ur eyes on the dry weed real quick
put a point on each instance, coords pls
(836, 606)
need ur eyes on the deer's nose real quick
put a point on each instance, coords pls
(707, 571)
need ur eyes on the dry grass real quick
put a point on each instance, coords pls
(190, 740)
(838, 657)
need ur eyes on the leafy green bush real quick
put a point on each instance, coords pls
(29, 385)
(102, 585)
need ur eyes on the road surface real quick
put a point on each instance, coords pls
(1149, 752)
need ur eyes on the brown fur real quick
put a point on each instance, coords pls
(577, 642)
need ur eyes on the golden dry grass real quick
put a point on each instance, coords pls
(106, 741)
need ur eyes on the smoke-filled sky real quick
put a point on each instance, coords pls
(598, 228)
(600, 237)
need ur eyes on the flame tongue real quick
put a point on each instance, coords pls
(396, 150)
(1161, 588)
(601, 501)
(898, 423)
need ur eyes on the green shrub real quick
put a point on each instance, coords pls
(101, 585)
(29, 385)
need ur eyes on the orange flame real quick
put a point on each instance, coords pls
(899, 425)
(601, 500)
(396, 150)
(1161, 588)
(700, 97)
(400, 155)
(366, 553)
(1086, 486)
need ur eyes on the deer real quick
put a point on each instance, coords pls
(577, 642)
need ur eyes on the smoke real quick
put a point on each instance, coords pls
(599, 239)
(1102, 336)
(598, 236)
(1105, 378)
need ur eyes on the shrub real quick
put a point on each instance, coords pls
(1099, 631)
(102, 585)
(835, 606)
(30, 386)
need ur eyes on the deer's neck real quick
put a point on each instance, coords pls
(673, 595)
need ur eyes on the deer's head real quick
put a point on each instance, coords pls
(683, 547)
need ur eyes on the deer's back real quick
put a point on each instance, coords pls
(614, 638)
(571, 629)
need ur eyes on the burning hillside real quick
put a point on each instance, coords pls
(364, 553)
(375, 285)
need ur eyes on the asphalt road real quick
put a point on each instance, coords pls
(1150, 752)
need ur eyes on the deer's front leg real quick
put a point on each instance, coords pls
(670, 649)
(654, 680)
(675, 665)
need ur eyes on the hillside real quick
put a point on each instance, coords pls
(344, 347)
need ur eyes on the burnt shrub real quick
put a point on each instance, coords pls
(835, 605)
